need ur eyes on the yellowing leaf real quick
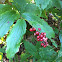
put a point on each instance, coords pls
(0, 57)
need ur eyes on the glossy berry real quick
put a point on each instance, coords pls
(38, 37)
(42, 44)
(42, 33)
(41, 36)
(41, 39)
(39, 29)
(45, 34)
(31, 29)
(37, 33)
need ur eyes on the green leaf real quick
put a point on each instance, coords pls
(4, 8)
(60, 36)
(16, 58)
(46, 4)
(43, 14)
(15, 37)
(26, 6)
(61, 3)
(21, 4)
(53, 42)
(32, 8)
(38, 45)
(2, 50)
(56, 3)
(60, 51)
(36, 22)
(24, 56)
(47, 54)
(42, 3)
(31, 49)
(59, 59)
(6, 20)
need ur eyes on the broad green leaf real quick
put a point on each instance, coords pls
(26, 6)
(60, 36)
(24, 56)
(4, 8)
(56, 3)
(6, 20)
(15, 37)
(36, 22)
(42, 3)
(32, 8)
(31, 49)
(38, 45)
(21, 4)
(46, 4)
(47, 54)
(61, 3)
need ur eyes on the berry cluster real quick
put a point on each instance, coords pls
(40, 37)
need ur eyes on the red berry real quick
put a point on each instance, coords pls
(39, 29)
(38, 37)
(42, 44)
(41, 39)
(41, 36)
(34, 29)
(45, 34)
(42, 33)
(31, 29)
(37, 33)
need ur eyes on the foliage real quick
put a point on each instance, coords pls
(36, 14)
